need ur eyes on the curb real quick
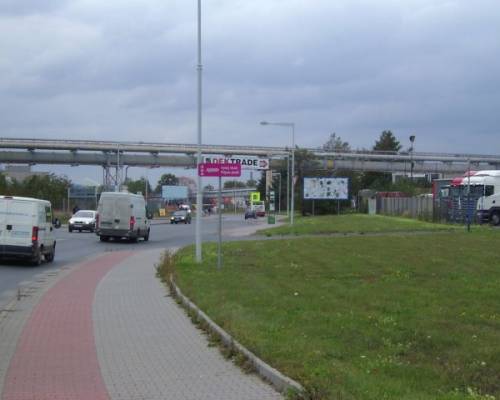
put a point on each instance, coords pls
(281, 383)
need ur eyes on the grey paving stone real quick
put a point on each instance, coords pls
(148, 349)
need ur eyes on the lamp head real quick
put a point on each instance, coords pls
(264, 123)
(412, 138)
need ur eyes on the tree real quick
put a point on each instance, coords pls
(251, 183)
(138, 186)
(167, 179)
(335, 143)
(380, 180)
(47, 187)
(234, 185)
(208, 188)
(387, 142)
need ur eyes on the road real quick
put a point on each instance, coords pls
(75, 247)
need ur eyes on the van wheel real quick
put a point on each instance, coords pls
(50, 256)
(495, 218)
(37, 259)
(104, 238)
(146, 238)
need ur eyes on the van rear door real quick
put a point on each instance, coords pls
(114, 212)
(16, 226)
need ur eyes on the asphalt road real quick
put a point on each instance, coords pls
(75, 247)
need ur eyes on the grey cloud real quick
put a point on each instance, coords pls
(352, 67)
(26, 7)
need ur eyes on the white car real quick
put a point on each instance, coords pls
(83, 220)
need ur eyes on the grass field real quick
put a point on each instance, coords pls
(364, 317)
(354, 223)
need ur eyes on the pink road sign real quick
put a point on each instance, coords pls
(219, 169)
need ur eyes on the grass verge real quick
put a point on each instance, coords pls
(327, 224)
(399, 317)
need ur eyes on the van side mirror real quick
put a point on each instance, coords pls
(56, 223)
(149, 215)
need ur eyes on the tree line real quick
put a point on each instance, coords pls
(306, 165)
(47, 187)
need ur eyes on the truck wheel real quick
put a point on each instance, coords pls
(495, 218)
(146, 237)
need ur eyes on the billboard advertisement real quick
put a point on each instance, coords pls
(326, 188)
(169, 192)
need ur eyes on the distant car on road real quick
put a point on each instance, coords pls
(249, 213)
(259, 207)
(83, 220)
(180, 216)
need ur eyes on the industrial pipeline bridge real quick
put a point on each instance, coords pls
(113, 156)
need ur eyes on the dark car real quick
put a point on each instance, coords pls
(181, 216)
(249, 213)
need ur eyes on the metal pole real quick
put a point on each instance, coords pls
(219, 247)
(468, 195)
(288, 186)
(293, 175)
(279, 196)
(199, 196)
(118, 177)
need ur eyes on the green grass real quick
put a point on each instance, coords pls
(353, 223)
(364, 317)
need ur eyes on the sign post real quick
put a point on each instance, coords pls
(219, 170)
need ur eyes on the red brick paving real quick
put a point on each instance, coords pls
(56, 357)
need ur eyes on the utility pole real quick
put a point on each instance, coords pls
(199, 194)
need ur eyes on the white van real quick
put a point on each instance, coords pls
(122, 215)
(26, 229)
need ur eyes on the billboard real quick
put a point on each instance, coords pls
(82, 192)
(169, 192)
(326, 188)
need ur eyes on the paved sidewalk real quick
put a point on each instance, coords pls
(107, 330)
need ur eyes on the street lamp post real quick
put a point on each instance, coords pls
(412, 139)
(199, 198)
(291, 125)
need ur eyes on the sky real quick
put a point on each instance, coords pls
(126, 70)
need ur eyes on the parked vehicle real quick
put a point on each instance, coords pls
(83, 220)
(180, 216)
(26, 229)
(259, 207)
(122, 215)
(487, 184)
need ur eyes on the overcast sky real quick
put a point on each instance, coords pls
(126, 70)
